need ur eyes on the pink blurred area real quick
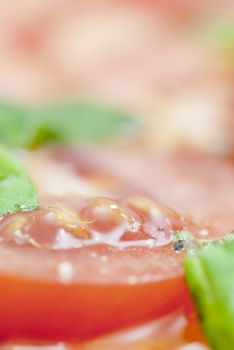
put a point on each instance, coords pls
(146, 56)
(117, 50)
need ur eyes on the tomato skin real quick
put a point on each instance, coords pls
(188, 304)
(46, 310)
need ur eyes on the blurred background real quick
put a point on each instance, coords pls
(168, 62)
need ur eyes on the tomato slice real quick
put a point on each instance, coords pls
(185, 180)
(86, 267)
(170, 332)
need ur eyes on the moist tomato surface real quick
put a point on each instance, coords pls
(78, 279)
(82, 266)
(191, 182)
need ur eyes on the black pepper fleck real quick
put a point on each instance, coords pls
(178, 245)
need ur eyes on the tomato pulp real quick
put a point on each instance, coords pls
(77, 269)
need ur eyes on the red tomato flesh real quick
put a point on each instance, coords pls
(88, 267)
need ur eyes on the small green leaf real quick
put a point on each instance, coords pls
(210, 276)
(15, 128)
(68, 122)
(16, 189)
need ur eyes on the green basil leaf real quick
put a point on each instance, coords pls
(68, 122)
(16, 189)
(210, 276)
(15, 128)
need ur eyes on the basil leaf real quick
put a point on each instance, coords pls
(210, 276)
(15, 128)
(16, 189)
(68, 122)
